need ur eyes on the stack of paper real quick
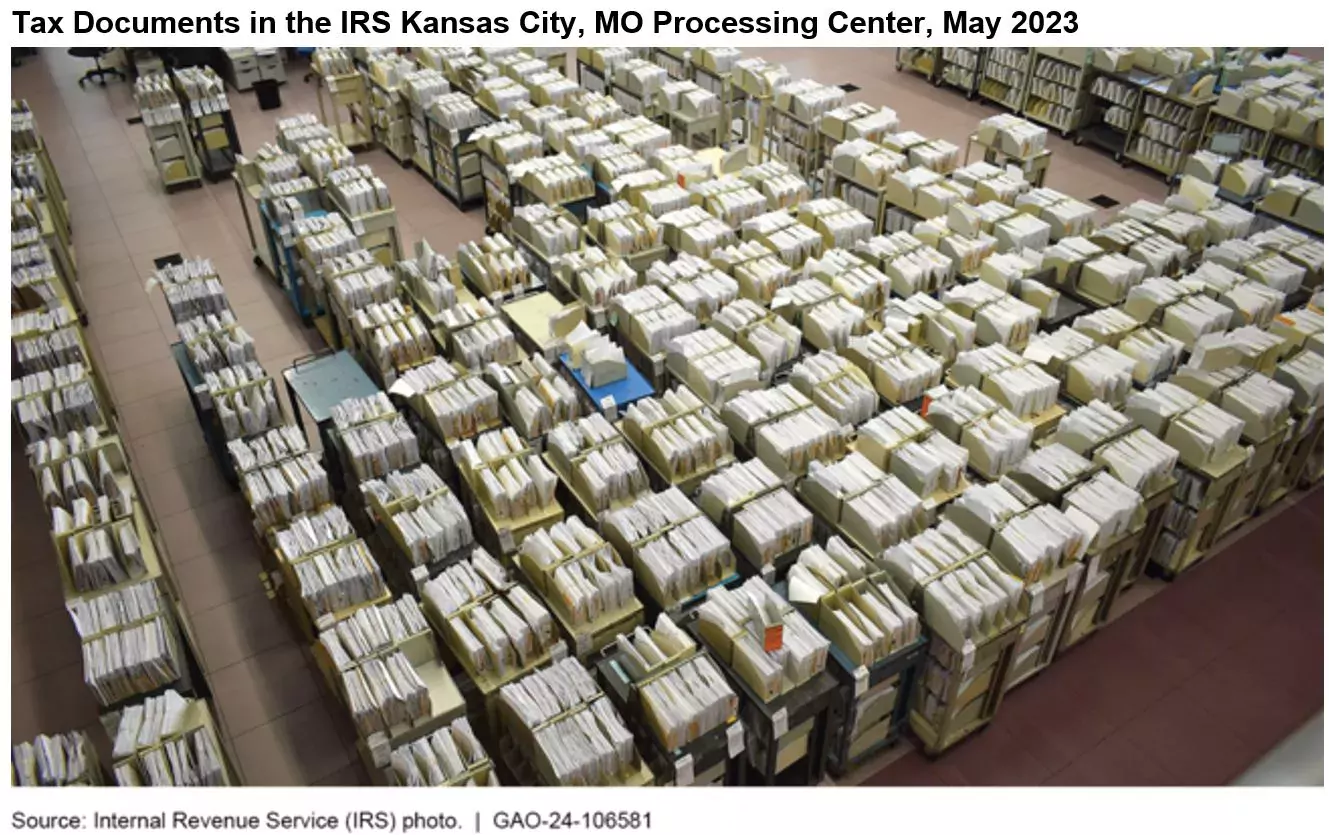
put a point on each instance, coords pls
(900, 371)
(712, 365)
(277, 493)
(739, 623)
(374, 436)
(576, 737)
(134, 657)
(585, 576)
(836, 386)
(597, 462)
(678, 433)
(995, 438)
(695, 284)
(674, 549)
(372, 631)
(784, 428)
(442, 759)
(510, 481)
(766, 520)
(869, 501)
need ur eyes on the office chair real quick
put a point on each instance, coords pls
(98, 72)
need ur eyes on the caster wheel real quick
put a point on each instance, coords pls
(1077, 141)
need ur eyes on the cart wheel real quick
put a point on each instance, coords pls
(258, 262)
(1077, 141)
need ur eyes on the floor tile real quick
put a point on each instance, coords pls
(214, 526)
(234, 631)
(270, 685)
(296, 750)
(219, 577)
(1115, 761)
(1194, 746)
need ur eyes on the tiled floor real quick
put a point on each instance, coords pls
(1121, 707)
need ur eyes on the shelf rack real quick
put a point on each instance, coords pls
(1004, 76)
(1168, 111)
(919, 61)
(346, 98)
(960, 67)
(1058, 92)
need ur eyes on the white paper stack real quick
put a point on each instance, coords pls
(497, 628)
(1304, 375)
(1199, 431)
(132, 657)
(444, 758)
(712, 365)
(585, 575)
(737, 624)
(900, 371)
(784, 428)
(578, 738)
(911, 266)
(510, 481)
(695, 284)
(678, 433)
(869, 500)
(597, 462)
(675, 550)
(540, 397)
(968, 603)
(995, 438)
(759, 272)
(277, 493)
(836, 386)
(1259, 401)
(765, 519)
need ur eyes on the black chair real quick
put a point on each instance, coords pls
(98, 72)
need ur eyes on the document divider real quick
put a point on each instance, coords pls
(446, 703)
(1217, 482)
(663, 601)
(592, 636)
(502, 536)
(962, 683)
(197, 719)
(709, 752)
(787, 730)
(639, 438)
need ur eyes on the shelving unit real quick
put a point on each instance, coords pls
(918, 60)
(1167, 129)
(961, 67)
(346, 99)
(1004, 77)
(1112, 110)
(1058, 92)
